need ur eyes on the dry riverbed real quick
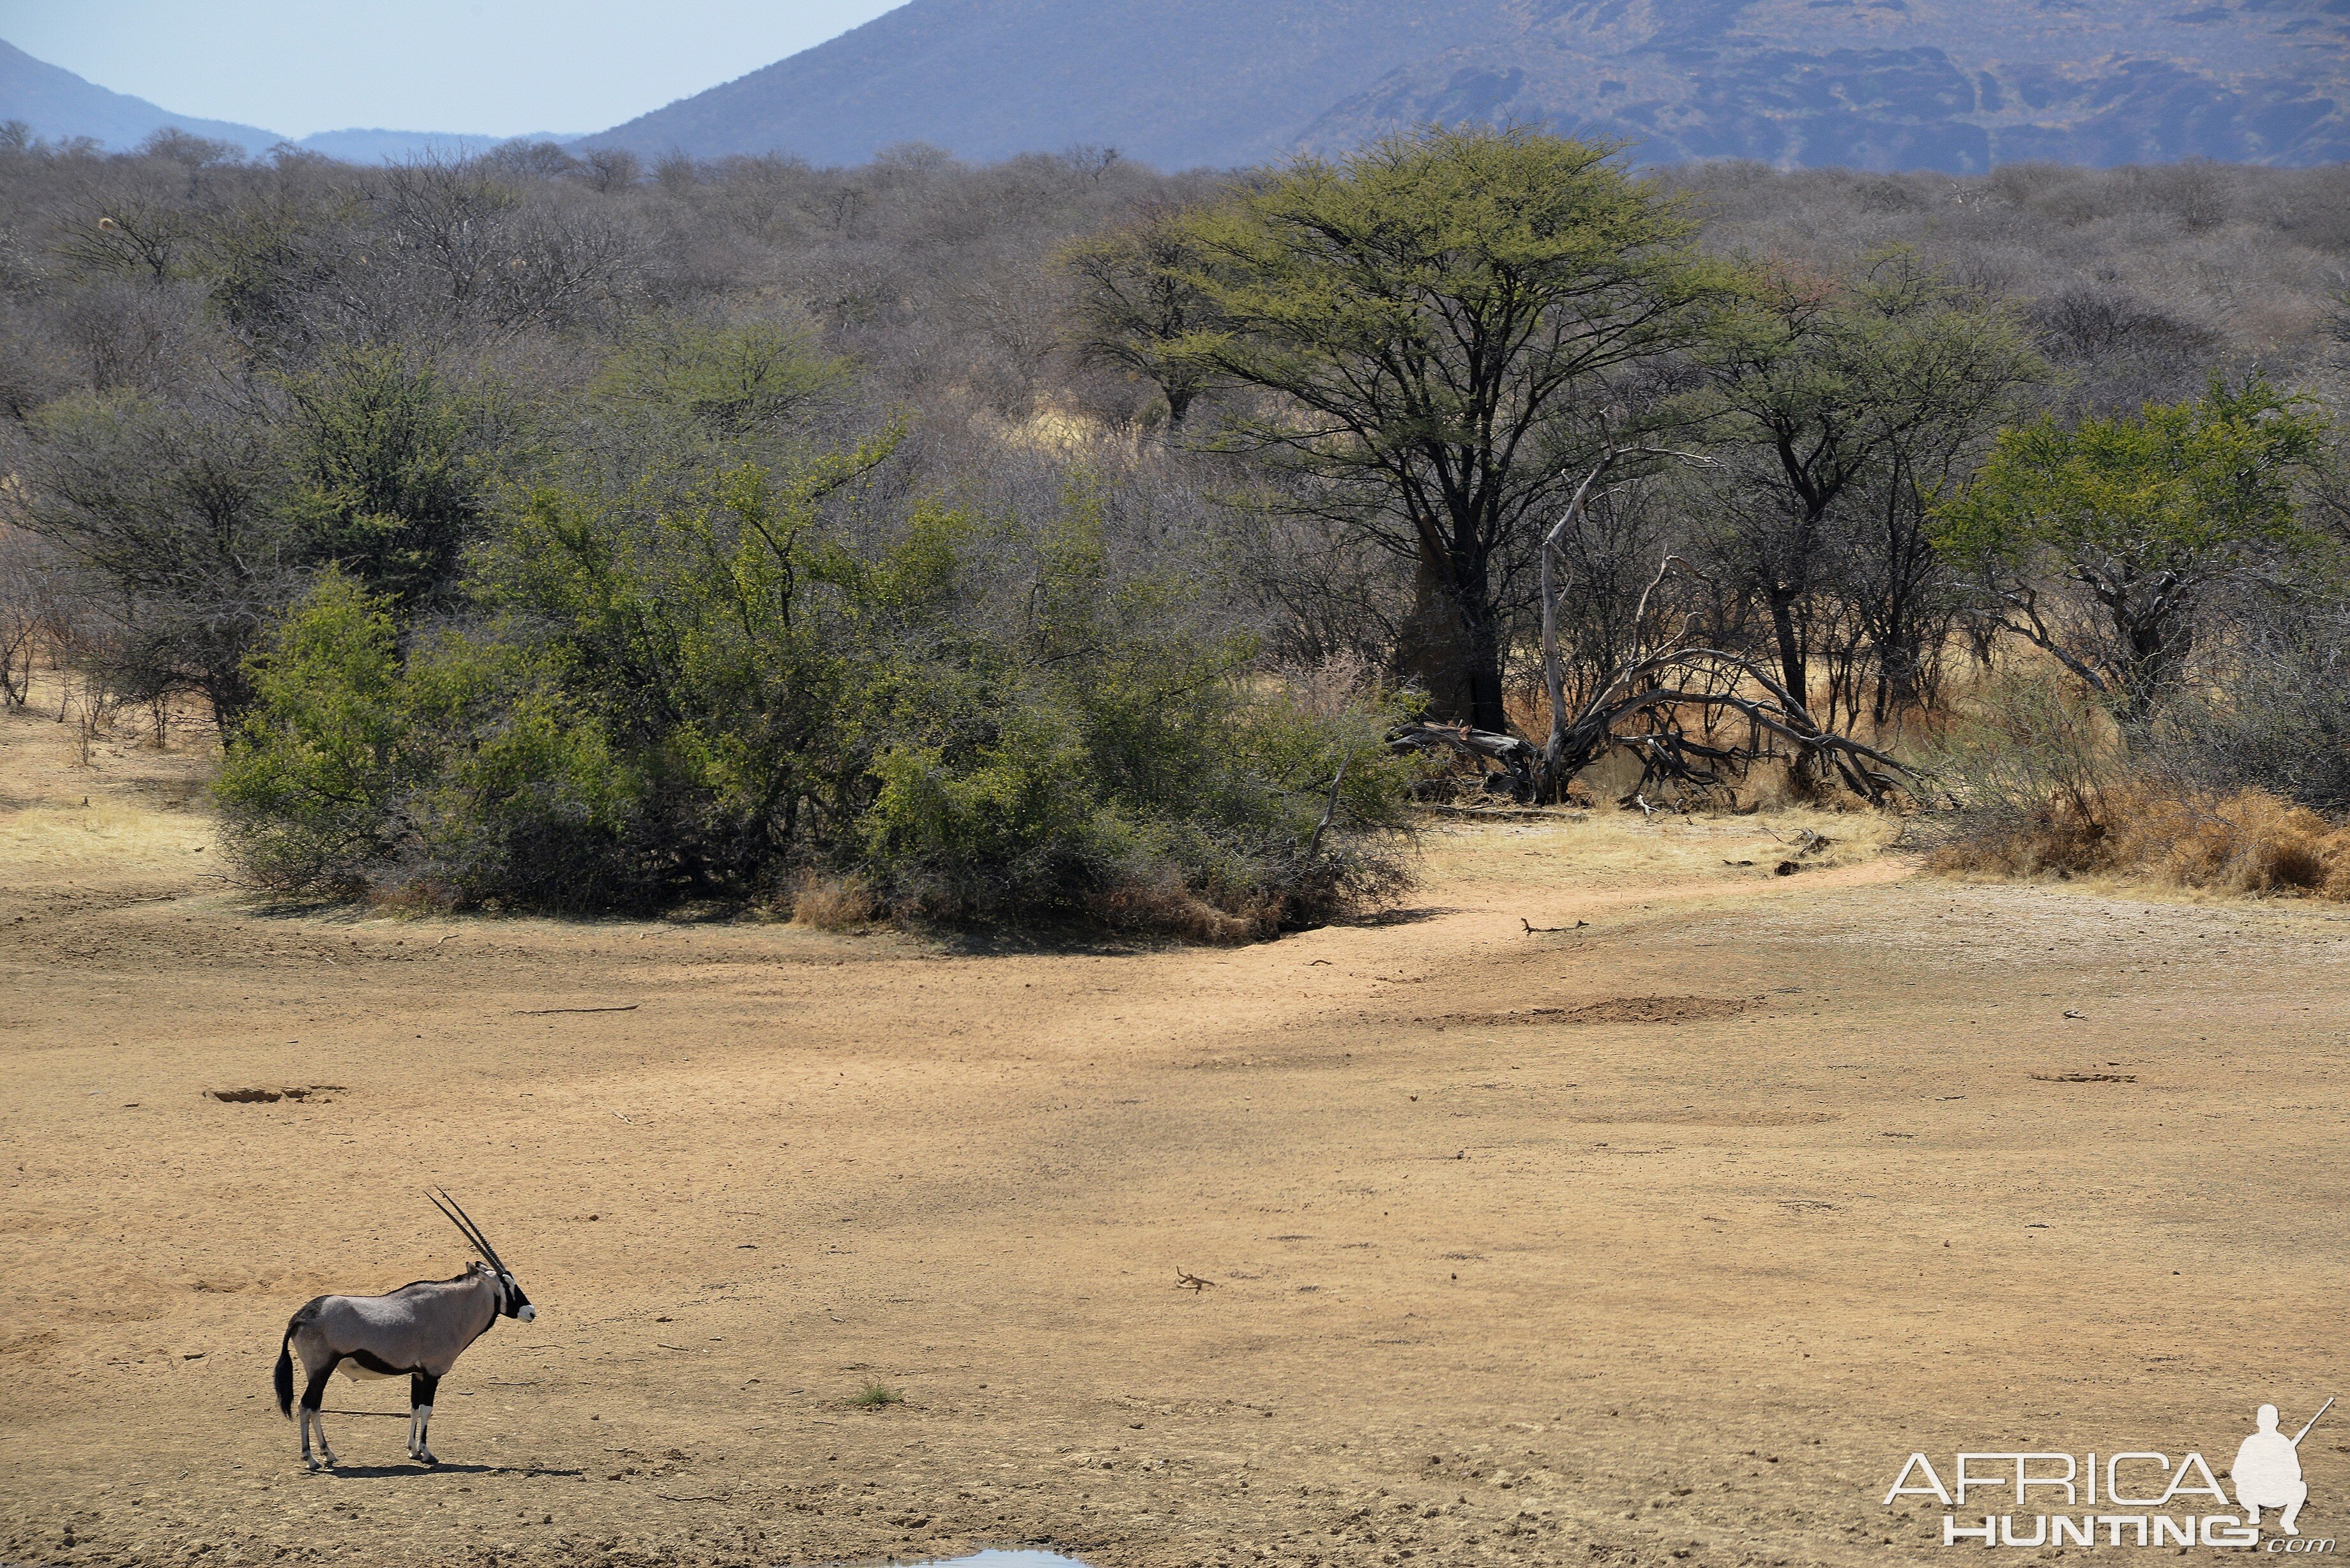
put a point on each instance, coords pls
(1662, 1234)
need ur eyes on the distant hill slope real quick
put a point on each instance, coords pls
(1175, 83)
(1942, 84)
(60, 105)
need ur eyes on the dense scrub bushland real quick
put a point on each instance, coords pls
(2189, 718)
(910, 537)
(706, 694)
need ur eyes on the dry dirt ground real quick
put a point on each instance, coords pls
(1664, 1236)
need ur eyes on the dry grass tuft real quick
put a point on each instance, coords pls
(833, 903)
(1178, 912)
(2249, 842)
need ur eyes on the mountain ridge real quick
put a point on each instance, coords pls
(61, 106)
(1188, 82)
(1872, 83)
(1906, 83)
(1951, 85)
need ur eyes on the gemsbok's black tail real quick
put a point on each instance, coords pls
(284, 1376)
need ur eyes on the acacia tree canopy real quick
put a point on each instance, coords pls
(1430, 314)
(1135, 301)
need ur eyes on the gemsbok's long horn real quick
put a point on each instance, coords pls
(473, 1231)
(465, 1223)
(495, 1261)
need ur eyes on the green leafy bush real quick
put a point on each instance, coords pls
(2099, 541)
(732, 379)
(388, 465)
(452, 773)
(713, 698)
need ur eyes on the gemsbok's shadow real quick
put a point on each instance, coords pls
(421, 1473)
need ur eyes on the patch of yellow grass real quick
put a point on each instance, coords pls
(2249, 842)
(112, 832)
(59, 816)
(1610, 847)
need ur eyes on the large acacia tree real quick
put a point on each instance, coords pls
(1429, 328)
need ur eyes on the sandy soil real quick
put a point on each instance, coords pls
(1664, 1236)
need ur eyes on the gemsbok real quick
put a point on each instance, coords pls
(416, 1332)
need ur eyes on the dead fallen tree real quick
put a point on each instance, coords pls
(1514, 759)
(1669, 710)
(1668, 702)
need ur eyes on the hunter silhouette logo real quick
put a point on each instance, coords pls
(2267, 1472)
(2168, 1505)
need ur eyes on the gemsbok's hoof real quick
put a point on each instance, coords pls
(424, 1457)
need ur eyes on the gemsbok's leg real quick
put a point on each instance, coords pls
(312, 1397)
(420, 1389)
(326, 1449)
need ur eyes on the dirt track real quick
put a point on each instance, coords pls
(1788, 1181)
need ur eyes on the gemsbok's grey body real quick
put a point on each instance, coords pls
(416, 1332)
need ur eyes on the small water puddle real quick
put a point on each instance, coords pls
(1022, 1559)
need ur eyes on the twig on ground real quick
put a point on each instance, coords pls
(543, 1011)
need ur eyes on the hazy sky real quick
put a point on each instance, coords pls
(499, 66)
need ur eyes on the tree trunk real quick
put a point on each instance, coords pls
(1793, 673)
(1900, 663)
(2157, 660)
(1482, 632)
(1451, 645)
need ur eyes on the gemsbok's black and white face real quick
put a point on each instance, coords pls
(512, 1302)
